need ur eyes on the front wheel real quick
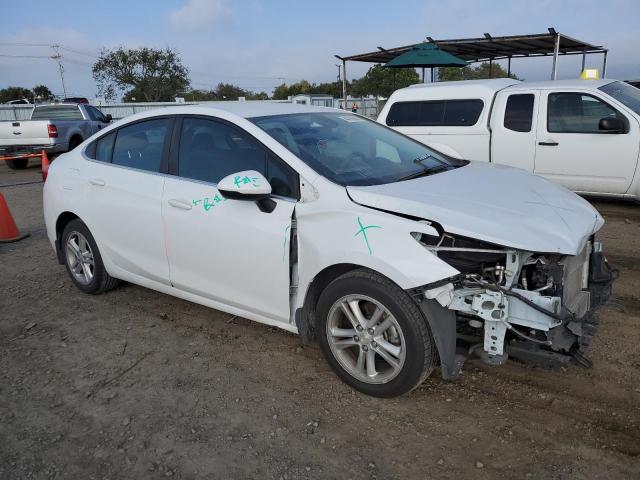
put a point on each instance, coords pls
(373, 335)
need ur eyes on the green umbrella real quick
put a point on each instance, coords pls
(425, 55)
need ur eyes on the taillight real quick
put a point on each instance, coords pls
(53, 131)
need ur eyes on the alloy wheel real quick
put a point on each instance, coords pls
(366, 339)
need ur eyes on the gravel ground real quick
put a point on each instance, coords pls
(136, 384)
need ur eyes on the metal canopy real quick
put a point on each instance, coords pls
(491, 48)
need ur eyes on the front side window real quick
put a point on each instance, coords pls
(352, 150)
(57, 112)
(141, 145)
(518, 113)
(95, 114)
(211, 150)
(435, 113)
(572, 112)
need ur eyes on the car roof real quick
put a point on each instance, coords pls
(263, 108)
(239, 109)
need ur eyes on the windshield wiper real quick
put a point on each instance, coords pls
(426, 170)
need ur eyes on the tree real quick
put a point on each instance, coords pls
(227, 91)
(383, 81)
(146, 74)
(473, 73)
(224, 91)
(15, 93)
(42, 92)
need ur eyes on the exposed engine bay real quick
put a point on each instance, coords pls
(536, 307)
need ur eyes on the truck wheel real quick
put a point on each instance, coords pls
(373, 335)
(18, 163)
(83, 260)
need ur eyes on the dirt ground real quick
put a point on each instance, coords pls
(135, 384)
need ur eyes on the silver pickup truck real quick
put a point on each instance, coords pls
(55, 128)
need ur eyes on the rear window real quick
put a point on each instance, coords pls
(435, 113)
(518, 114)
(57, 112)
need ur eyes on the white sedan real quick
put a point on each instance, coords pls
(395, 257)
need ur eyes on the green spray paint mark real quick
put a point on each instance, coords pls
(209, 203)
(286, 239)
(238, 181)
(363, 231)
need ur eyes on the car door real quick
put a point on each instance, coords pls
(123, 207)
(222, 249)
(513, 131)
(571, 149)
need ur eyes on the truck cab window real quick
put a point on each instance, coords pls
(572, 112)
(518, 113)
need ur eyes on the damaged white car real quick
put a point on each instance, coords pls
(395, 257)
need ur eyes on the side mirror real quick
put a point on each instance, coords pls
(248, 185)
(611, 125)
(108, 117)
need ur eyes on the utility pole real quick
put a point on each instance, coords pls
(57, 56)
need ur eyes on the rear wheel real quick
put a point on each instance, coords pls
(373, 335)
(83, 260)
(18, 163)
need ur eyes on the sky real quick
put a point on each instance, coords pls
(258, 44)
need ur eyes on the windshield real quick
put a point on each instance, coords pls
(624, 93)
(352, 150)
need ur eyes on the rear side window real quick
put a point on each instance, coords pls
(102, 148)
(57, 112)
(518, 114)
(141, 145)
(435, 113)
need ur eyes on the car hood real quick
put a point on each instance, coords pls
(495, 203)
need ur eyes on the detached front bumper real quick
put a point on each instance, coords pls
(495, 322)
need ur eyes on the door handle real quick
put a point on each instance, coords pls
(549, 143)
(97, 182)
(181, 204)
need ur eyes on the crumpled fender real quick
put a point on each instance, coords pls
(366, 237)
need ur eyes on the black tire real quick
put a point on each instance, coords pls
(18, 163)
(420, 351)
(101, 281)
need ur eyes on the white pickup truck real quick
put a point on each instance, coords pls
(55, 128)
(583, 134)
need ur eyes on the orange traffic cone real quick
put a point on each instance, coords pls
(8, 230)
(45, 166)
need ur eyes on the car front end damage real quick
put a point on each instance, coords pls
(535, 307)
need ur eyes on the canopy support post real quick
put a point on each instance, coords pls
(604, 64)
(344, 83)
(490, 67)
(556, 50)
(584, 61)
(432, 76)
(422, 74)
(509, 67)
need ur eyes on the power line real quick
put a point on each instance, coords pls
(24, 56)
(18, 44)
